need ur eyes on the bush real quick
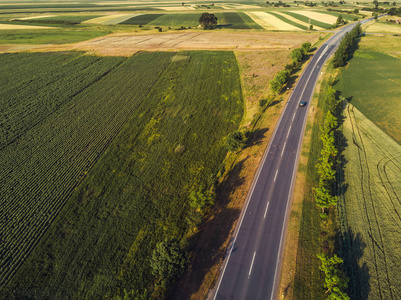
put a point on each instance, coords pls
(235, 141)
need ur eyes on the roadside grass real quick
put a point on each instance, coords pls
(370, 208)
(314, 236)
(372, 83)
(137, 193)
(306, 20)
(284, 19)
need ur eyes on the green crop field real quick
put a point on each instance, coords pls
(119, 132)
(345, 16)
(231, 20)
(370, 209)
(236, 20)
(372, 83)
(185, 20)
(142, 19)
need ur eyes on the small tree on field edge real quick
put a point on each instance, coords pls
(208, 21)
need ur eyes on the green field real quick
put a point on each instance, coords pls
(231, 20)
(142, 19)
(345, 16)
(370, 208)
(112, 144)
(51, 36)
(372, 83)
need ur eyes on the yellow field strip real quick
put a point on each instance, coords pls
(298, 21)
(12, 27)
(110, 19)
(324, 18)
(271, 22)
(37, 17)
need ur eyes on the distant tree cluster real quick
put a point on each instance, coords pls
(345, 47)
(394, 11)
(208, 21)
(277, 4)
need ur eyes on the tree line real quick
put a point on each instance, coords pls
(346, 46)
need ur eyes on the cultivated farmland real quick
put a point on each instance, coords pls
(142, 110)
(372, 84)
(370, 209)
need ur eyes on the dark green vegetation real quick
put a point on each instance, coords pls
(347, 46)
(142, 19)
(161, 120)
(208, 21)
(372, 84)
(236, 20)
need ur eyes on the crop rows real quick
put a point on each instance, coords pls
(136, 194)
(62, 134)
(372, 209)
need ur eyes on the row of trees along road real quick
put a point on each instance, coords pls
(346, 46)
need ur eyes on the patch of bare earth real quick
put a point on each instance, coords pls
(257, 68)
(126, 44)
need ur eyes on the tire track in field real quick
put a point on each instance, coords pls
(381, 246)
(352, 121)
(381, 168)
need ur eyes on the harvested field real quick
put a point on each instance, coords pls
(384, 27)
(371, 208)
(275, 22)
(37, 17)
(124, 44)
(13, 27)
(321, 17)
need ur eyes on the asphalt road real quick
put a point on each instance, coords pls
(252, 264)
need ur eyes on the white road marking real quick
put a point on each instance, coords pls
(275, 175)
(267, 206)
(250, 270)
(289, 131)
(293, 117)
(283, 149)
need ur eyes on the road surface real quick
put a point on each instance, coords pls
(252, 264)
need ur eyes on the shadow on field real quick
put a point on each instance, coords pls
(352, 251)
(209, 243)
(255, 137)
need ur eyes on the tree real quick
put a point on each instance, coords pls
(168, 260)
(235, 141)
(201, 198)
(297, 55)
(306, 46)
(208, 21)
(335, 281)
(340, 20)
